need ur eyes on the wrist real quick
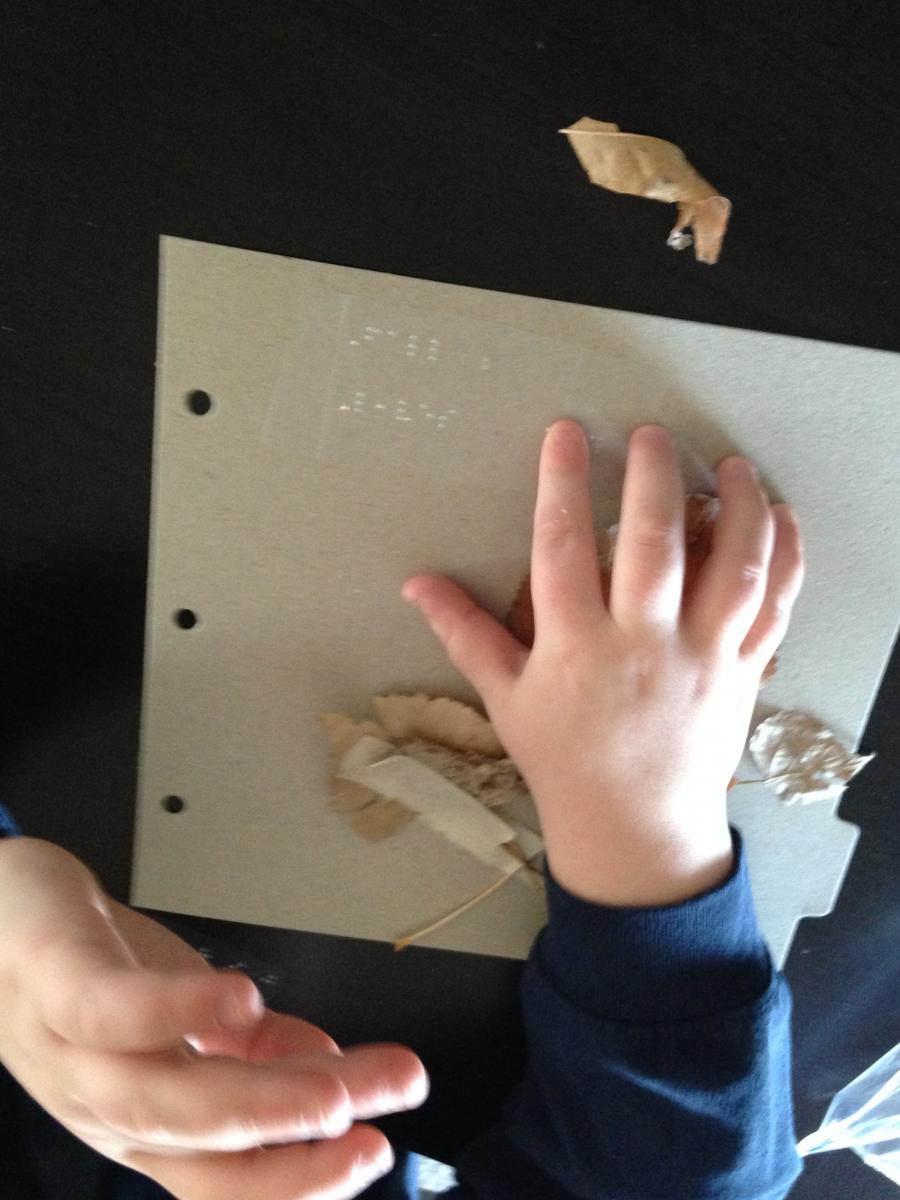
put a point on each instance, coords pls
(672, 962)
(628, 866)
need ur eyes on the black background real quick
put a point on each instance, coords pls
(418, 139)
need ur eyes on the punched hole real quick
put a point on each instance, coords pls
(199, 403)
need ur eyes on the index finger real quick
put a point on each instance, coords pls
(565, 574)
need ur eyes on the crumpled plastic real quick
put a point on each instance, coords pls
(864, 1117)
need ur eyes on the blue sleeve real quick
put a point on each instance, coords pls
(659, 1059)
(8, 827)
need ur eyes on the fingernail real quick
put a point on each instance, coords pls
(337, 1123)
(420, 602)
(740, 468)
(417, 1092)
(371, 1169)
(654, 433)
(236, 1012)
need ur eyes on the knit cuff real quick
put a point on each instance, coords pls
(702, 956)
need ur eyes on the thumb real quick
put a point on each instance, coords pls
(88, 996)
(86, 984)
(479, 647)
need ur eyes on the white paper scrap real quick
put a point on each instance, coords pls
(449, 810)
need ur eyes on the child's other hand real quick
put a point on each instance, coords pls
(126, 1036)
(627, 722)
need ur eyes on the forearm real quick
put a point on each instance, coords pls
(659, 1058)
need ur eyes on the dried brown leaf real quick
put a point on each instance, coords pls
(493, 781)
(381, 819)
(343, 732)
(453, 786)
(344, 796)
(658, 170)
(437, 719)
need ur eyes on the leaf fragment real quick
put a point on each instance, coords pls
(801, 759)
(437, 719)
(658, 170)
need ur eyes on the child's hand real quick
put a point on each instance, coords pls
(628, 721)
(126, 1036)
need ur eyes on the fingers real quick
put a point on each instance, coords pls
(785, 579)
(89, 998)
(328, 1170)
(478, 646)
(382, 1078)
(87, 985)
(732, 581)
(276, 1035)
(565, 576)
(152, 944)
(178, 1101)
(648, 570)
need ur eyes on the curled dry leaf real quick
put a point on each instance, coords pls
(493, 781)
(700, 514)
(439, 760)
(443, 806)
(455, 741)
(437, 719)
(648, 166)
(801, 759)
(371, 815)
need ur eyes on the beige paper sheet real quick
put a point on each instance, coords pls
(365, 427)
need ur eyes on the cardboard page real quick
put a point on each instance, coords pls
(364, 427)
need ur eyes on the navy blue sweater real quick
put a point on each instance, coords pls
(659, 1069)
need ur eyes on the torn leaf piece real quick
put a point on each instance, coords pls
(381, 818)
(371, 816)
(801, 759)
(647, 166)
(343, 732)
(447, 809)
(439, 719)
(493, 781)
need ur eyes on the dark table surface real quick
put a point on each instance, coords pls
(417, 139)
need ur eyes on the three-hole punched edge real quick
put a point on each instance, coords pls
(199, 403)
